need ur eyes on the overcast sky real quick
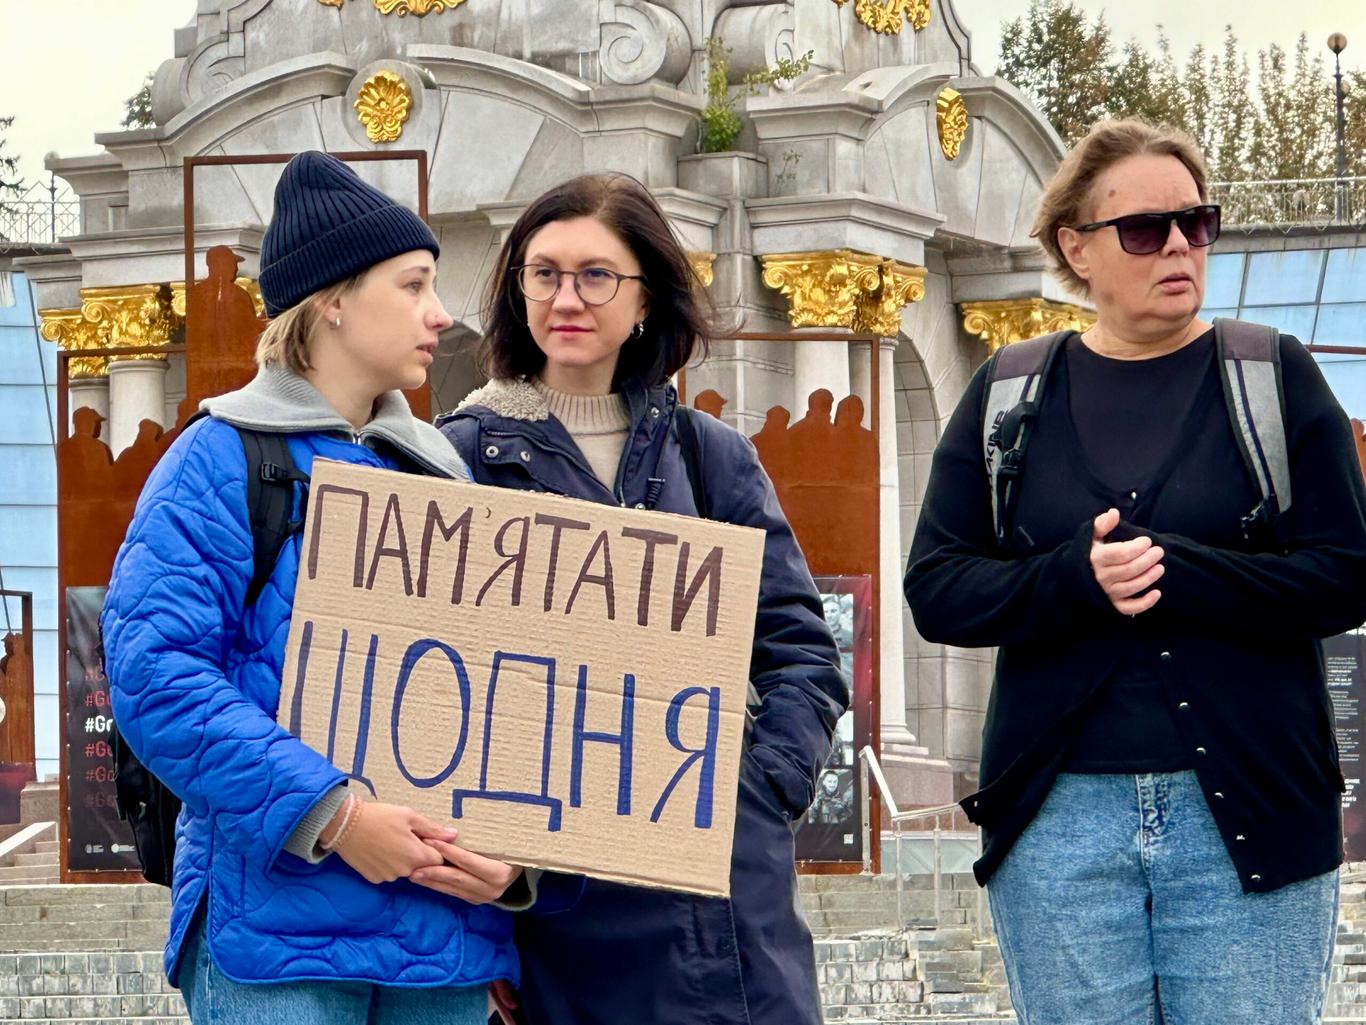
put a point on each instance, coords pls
(66, 66)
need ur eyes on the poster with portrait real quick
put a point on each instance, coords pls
(831, 831)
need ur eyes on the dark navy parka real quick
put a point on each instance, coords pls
(599, 953)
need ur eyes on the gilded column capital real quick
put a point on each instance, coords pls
(887, 16)
(844, 288)
(822, 288)
(131, 315)
(73, 333)
(248, 284)
(701, 264)
(900, 285)
(1003, 321)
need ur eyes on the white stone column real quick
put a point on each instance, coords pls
(87, 393)
(896, 736)
(861, 378)
(137, 392)
(818, 365)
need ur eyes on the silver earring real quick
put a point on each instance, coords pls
(337, 323)
(638, 330)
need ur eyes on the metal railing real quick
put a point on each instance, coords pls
(42, 215)
(868, 766)
(1292, 203)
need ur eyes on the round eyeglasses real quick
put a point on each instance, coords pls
(596, 286)
(1142, 234)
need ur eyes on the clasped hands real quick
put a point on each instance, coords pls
(1125, 569)
(387, 842)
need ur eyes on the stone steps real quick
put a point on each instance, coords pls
(82, 989)
(83, 918)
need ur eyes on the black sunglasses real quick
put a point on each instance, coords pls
(1141, 234)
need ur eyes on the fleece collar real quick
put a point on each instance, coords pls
(281, 401)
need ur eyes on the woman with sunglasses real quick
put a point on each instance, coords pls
(592, 308)
(1160, 787)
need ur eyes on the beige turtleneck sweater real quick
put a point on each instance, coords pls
(597, 423)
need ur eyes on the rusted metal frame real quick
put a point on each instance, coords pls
(873, 800)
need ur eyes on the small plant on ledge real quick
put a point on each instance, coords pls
(719, 124)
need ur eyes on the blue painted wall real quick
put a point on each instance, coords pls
(28, 497)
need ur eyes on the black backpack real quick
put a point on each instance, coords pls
(143, 801)
(1249, 360)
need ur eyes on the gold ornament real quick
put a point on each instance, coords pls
(887, 16)
(383, 105)
(131, 315)
(702, 266)
(417, 8)
(951, 114)
(842, 288)
(880, 312)
(73, 333)
(1004, 321)
(403, 8)
(822, 288)
(127, 316)
(251, 287)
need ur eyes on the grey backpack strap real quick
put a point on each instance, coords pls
(1250, 369)
(1010, 405)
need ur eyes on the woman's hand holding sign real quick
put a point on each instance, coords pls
(383, 842)
(472, 877)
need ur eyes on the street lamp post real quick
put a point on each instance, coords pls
(1337, 42)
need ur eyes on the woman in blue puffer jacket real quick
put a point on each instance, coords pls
(591, 309)
(293, 901)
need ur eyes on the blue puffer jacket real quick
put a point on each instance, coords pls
(599, 953)
(195, 682)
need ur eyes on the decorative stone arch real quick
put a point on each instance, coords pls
(988, 192)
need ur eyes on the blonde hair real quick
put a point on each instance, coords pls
(285, 341)
(1066, 202)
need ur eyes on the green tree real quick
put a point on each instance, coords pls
(1060, 62)
(137, 109)
(11, 185)
(1149, 87)
(1354, 85)
(1226, 151)
(1293, 134)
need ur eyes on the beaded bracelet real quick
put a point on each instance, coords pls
(350, 812)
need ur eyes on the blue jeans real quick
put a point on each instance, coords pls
(214, 999)
(1119, 905)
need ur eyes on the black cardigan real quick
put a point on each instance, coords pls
(1235, 631)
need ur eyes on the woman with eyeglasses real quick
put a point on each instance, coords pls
(1159, 781)
(592, 307)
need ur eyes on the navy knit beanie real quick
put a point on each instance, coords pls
(327, 226)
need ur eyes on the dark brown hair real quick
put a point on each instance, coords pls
(680, 320)
(1067, 200)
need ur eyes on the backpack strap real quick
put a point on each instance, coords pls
(1249, 357)
(692, 459)
(1016, 377)
(271, 476)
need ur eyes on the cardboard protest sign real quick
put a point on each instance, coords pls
(566, 680)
